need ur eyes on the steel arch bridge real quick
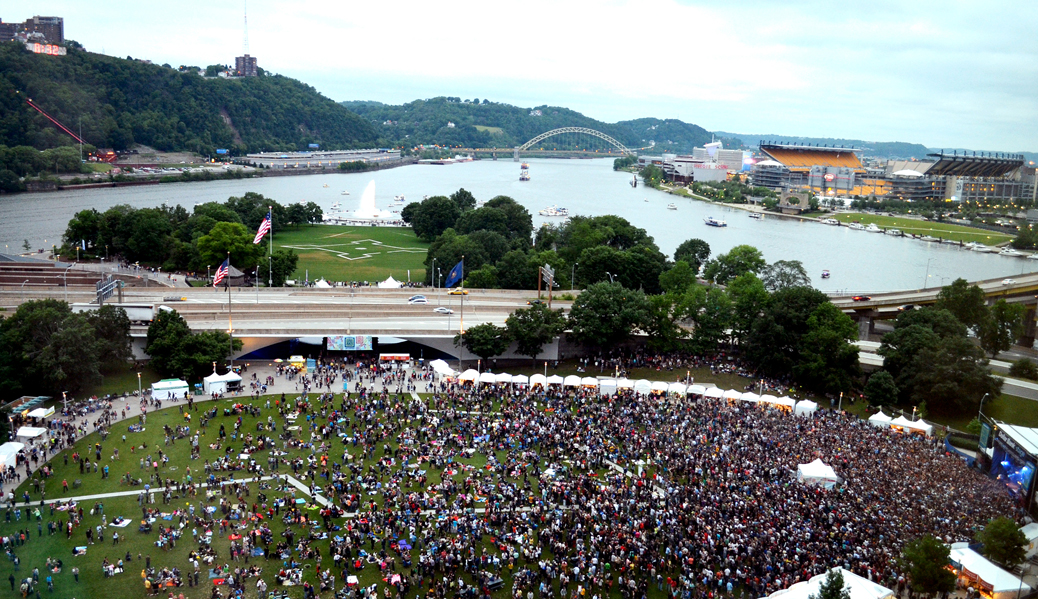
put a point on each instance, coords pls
(560, 131)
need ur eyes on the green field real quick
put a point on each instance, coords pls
(491, 130)
(913, 226)
(339, 253)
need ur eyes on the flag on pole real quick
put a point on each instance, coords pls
(222, 272)
(264, 228)
(456, 274)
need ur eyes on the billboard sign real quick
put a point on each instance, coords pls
(221, 151)
(50, 49)
(314, 146)
(349, 343)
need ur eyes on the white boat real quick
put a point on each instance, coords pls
(985, 249)
(713, 222)
(671, 207)
(856, 226)
(345, 193)
(872, 228)
(830, 221)
(1008, 251)
(894, 232)
(326, 185)
(971, 245)
(335, 206)
(929, 238)
(756, 215)
(399, 199)
(1032, 256)
(554, 211)
(646, 199)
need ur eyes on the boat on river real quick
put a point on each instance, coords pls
(856, 226)
(671, 207)
(713, 222)
(825, 274)
(830, 221)
(554, 211)
(872, 228)
(1008, 251)
(894, 232)
(756, 215)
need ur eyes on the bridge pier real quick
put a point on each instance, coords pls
(1030, 326)
(515, 155)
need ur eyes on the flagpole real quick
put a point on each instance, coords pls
(230, 325)
(270, 253)
(461, 328)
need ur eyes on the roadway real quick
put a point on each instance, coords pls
(1022, 288)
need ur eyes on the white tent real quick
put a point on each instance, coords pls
(570, 381)
(624, 383)
(169, 388)
(879, 419)
(589, 381)
(1003, 584)
(503, 377)
(41, 413)
(554, 380)
(469, 375)
(768, 398)
(749, 396)
(859, 588)
(607, 386)
(487, 377)
(520, 379)
(642, 386)
(714, 392)
(8, 451)
(917, 426)
(817, 473)
(538, 379)
(678, 388)
(781, 402)
(322, 284)
(218, 383)
(30, 432)
(805, 408)
(441, 368)
(390, 283)
(696, 389)
(732, 394)
(1030, 532)
(659, 387)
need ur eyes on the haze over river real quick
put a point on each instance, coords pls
(859, 262)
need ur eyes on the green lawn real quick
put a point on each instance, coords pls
(121, 381)
(491, 130)
(924, 227)
(339, 253)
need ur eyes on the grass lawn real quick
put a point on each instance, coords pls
(1008, 408)
(491, 130)
(339, 253)
(121, 381)
(925, 227)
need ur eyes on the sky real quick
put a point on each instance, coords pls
(946, 74)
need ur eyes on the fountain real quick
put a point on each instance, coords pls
(368, 210)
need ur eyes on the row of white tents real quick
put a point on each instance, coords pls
(881, 420)
(609, 386)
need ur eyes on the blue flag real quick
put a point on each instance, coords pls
(456, 274)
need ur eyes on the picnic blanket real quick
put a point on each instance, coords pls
(79, 550)
(121, 522)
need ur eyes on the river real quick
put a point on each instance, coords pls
(859, 262)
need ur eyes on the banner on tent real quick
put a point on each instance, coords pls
(349, 343)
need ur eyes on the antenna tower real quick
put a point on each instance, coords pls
(245, 40)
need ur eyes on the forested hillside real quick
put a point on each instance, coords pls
(482, 124)
(119, 102)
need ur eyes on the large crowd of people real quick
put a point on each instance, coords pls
(555, 493)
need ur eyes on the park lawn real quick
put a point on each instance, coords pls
(491, 130)
(122, 381)
(344, 253)
(913, 226)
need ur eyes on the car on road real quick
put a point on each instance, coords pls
(458, 292)
(414, 297)
(418, 300)
(861, 298)
(1009, 281)
(535, 302)
(442, 310)
(174, 299)
(907, 307)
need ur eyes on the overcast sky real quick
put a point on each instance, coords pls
(944, 74)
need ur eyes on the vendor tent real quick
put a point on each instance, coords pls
(624, 383)
(322, 284)
(858, 587)
(817, 473)
(750, 396)
(1030, 533)
(696, 389)
(784, 403)
(659, 387)
(714, 392)
(441, 368)
(538, 379)
(30, 432)
(555, 380)
(677, 388)
(642, 386)
(503, 377)
(8, 451)
(970, 566)
(912, 426)
(41, 413)
(589, 381)
(520, 379)
(879, 419)
(805, 408)
(220, 383)
(390, 283)
(487, 378)
(607, 386)
(168, 389)
(732, 394)
(570, 381)
(469, 376)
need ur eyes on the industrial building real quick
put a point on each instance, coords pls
(709, 163)
(39, 29)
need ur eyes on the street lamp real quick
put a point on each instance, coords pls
(572, 276)
(434, 269)
(439, 276)
(139, 392)
(610, 276)
(207, 272)
(64, 276)
(256, 283)
(980, 410)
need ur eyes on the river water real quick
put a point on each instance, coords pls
(858, 261)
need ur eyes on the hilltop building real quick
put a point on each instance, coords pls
(44, 29)
(245, 66)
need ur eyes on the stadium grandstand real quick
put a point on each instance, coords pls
(827, 170)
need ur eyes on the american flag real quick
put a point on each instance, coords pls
(222, 272)
(264, 228)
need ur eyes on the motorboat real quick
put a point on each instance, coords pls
(756, 215)
(873, 228)
(1008, 251)
(1032, 256)
(399, 199)
(929, 238)
(335, 206)
(856, 226)
(671, 207)
(984, 249)
(345, 193)
(894, 232)
(972, 245)
(326, 185)
(830, 221)
(825, 274)
(713, 222)
(554, 211)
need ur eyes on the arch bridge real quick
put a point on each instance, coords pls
(564, 130)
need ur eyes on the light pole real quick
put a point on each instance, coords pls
(66, 288)
(573, 276)
(439, 275)
(610, 276)
(207, 277)
(256, 283)
(926, 277)
(980, 410)
(270, 271)
(64, 276)
(64, 401)
(139, 392)
(431, 280)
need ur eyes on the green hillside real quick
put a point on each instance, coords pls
(485, 124)
(120, 102)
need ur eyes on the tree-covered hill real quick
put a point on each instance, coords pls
(482, 124)
(120, 102)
